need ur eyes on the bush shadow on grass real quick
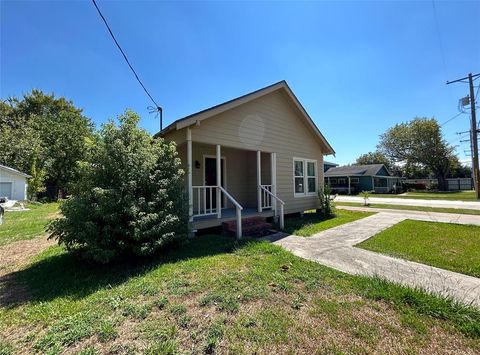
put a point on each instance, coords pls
(65, 275)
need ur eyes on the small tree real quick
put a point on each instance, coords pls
(366, 197)
(129, 197)
(325, 196)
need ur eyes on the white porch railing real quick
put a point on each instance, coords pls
(203, 203)
(266, 198)
(282, 204)
(238, 209)
(207, 202)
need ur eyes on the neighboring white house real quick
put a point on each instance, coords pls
(13, 183)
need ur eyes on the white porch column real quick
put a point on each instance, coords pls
(219, 181)
(189, 168)
(349, 189)
(373, 184)
(259, 180)
(273, 170)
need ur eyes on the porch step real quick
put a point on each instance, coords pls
(251, 226)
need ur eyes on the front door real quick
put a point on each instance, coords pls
(211, 180)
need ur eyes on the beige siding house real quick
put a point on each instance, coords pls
(266, 149)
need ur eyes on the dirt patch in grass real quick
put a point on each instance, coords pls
(12, 257)
(16, 254)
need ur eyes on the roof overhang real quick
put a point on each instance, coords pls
(198, 117)
(14, 171)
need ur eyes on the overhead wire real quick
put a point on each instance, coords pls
(451, 119)
(157, 107)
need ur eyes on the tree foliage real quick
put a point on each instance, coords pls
(129, 197)
(374, 158)
(419, 142)
(47, 130)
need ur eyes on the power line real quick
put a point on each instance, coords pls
(437, 30)
(157, 107)
(451, 119)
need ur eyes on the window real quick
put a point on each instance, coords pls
(305, 177)
(379, 182)
(354, 180)
(299, 177)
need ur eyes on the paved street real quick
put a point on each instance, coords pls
(411, 202)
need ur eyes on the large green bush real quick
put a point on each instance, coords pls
(129, 198)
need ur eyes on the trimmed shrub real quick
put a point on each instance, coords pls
(129, 198)
(325, 196)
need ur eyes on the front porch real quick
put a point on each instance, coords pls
(226, 183)
(228, 214)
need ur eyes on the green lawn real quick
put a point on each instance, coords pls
(411, 208)
(214, 295)
(26, 224)
(311, 223)
(448, 246)
(460, 196)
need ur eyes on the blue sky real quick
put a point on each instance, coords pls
(357, 67)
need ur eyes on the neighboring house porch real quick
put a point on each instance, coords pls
(358, 178)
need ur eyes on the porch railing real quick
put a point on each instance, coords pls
(238, 209)
(266, 198)
(267, 191)
(206, 202)
(203, 205)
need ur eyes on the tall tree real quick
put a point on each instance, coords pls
(57, 132)
(419, 142)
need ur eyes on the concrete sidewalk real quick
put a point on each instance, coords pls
(472, 205)
(335, 248)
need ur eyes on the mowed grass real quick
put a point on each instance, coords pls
(458, 195)
(448, 246)
(22, 225)
(312, 223)
(214, 295)
(411, 208)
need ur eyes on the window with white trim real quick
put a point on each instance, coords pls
(305, 177)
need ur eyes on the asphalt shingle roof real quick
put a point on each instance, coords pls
(367, 170)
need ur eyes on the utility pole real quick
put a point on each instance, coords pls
(474, 131)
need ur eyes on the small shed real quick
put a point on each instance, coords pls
(357, 178)
(13, 183)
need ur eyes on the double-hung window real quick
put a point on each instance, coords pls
(304, 177)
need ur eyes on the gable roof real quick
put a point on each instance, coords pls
(329, 163)
(14, 171)
(228, 105)
(359, 170)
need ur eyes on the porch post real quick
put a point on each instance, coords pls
(273, 169)
(373, 185)
(259, 180)
(189, 168)
(219, 182)
(349, 190)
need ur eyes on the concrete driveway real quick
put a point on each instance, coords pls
(335, 248)
(473, 205)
